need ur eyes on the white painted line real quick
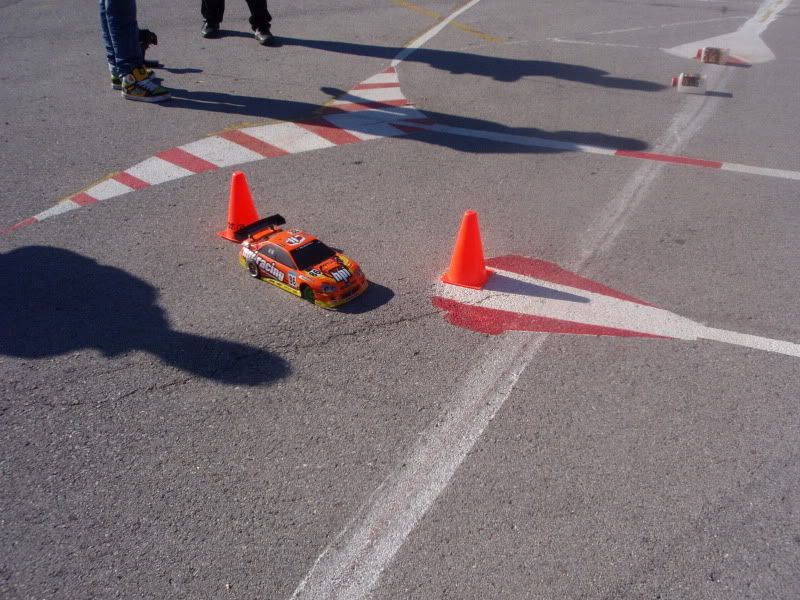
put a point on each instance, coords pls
(536, 142)
(288, 137)
(588, 43)
(520, 140)
(779, 173)
(58, 209)
(221, 152)
(389, 114)
(667, 25)
(750, 341)
(155, 170)
(427, 36)
(610, 222)
(363, 129)
(108, 189)
(352, 564)
(374, 95)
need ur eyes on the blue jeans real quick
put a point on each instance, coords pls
(121, 35)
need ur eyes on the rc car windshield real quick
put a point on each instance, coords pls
(311, 255)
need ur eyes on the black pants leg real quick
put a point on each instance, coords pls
(260, 16)
(212, 10)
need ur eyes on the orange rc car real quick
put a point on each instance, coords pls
(299, 263)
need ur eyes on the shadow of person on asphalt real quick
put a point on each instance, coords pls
(55, 301)
(181, 71)
(497, 68)
(290, 110)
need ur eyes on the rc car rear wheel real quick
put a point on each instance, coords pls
(308, 294)
(252, 268)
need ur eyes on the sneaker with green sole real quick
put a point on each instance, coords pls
(140, 87)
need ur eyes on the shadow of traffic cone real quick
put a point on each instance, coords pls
(467, 267)
(241, 210)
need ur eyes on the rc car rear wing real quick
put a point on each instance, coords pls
(270, 222)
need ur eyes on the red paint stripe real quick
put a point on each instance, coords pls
(681, 160)
(389, 70)
(494, 322)
(183, 159)
(548, 271)
(252, 143)
(376, 86)
(356, 106)
(20, 225)
(330, 132)
(83, 199)
(129, 180)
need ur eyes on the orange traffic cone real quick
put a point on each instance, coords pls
(241, 210)
(467, 267)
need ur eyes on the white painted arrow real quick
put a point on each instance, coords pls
(532, 295)
(745, 43)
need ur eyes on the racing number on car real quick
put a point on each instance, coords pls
(292, 279)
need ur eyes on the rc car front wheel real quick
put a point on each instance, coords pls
(308, 294)
(252, 268)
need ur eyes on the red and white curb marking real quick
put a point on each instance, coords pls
(565, 146)
(375, 108)
(534, 295)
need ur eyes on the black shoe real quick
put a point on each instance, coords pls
(209, 29)
(264, 37)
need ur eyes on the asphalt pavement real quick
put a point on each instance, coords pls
(171, 428)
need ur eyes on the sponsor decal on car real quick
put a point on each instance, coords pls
(341, 274)
(268, 267)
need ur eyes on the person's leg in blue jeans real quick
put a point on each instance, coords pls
(124, 53)
(121, 34)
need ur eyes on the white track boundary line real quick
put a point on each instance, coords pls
(350, 567)
(428, 35)
(667, 25)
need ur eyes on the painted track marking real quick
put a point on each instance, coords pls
(384, 112)
(435, 15)
(523, 295)
(744, 43)
(352, 564)
(355, 119)
(667, 25)
(376, 108)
